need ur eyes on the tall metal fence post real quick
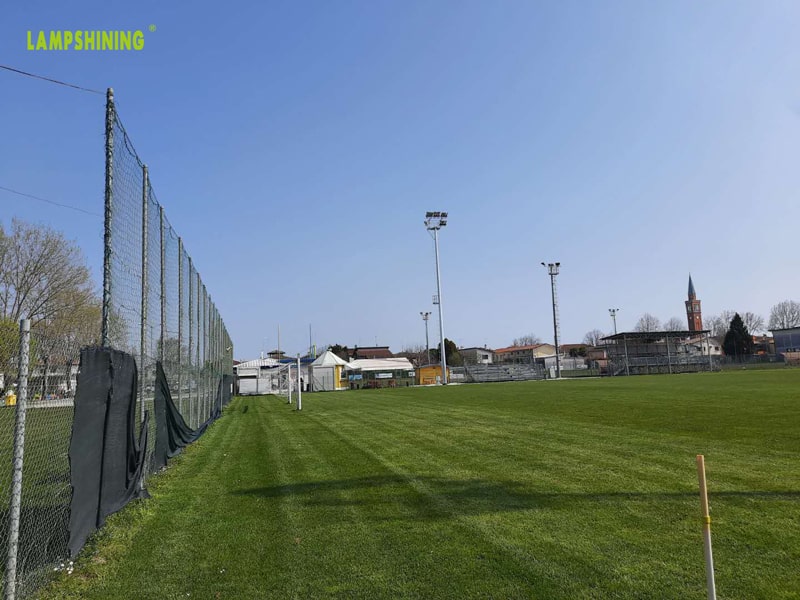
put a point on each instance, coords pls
(198, 372)
(205, 353)
(180, 324)
(163, 287)
(145, 293)
(192, 378)
(19, 452)
(108, 213)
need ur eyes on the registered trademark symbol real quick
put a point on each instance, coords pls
(152, 27)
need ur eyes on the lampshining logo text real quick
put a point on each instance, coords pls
(86, 40)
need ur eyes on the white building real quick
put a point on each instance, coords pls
(253, 377)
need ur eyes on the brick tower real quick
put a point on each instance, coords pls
(693, 313)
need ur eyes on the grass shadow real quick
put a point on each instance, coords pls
(432, 497)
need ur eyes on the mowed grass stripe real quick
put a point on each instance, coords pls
(472, 504)
(573, 489)
(510, 498)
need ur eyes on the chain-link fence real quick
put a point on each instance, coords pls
(39, 376)
(155, 305)
(155, 308)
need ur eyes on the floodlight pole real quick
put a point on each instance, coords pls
(434, 221)
(613, 313)
(425, 317)
(443, 350)
(552, 269)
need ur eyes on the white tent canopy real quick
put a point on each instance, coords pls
(325, 372)
(328, 359)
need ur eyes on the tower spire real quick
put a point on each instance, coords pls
(693, 313)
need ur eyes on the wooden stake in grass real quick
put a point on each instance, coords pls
(701, 475)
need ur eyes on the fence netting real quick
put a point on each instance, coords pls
(46, 493)
(156, 306)
(156, 309)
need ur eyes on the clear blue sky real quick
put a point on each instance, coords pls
(296, 147)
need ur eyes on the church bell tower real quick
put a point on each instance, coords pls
(693, 313)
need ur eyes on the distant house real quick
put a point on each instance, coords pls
(597, 357)
(706, 345)
(763, 344)
(368, 352)
(477, 356)
(524, 354)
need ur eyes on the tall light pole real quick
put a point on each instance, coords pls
(434, 221)
(552, 269)
(613, 312)
(425, 316)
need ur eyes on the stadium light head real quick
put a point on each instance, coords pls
(435, 220)
(552, 268)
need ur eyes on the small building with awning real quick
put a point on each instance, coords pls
(380, 373)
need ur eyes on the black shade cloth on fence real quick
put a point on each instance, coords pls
(227, 386)
(106, 457)
(172, 432)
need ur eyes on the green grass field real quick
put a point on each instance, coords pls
(554, 489)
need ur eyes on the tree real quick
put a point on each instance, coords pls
(593, 337)
(415, 353)
(576, 352)
(784, 315)
(527, 340)
(719, 324)
(752, 321)
(452, 354)
(648, 322)
(43, 277)
(738, 341)
(42, 274)
(340, 351)
(675, 324)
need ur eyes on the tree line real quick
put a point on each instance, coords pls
(44, 277)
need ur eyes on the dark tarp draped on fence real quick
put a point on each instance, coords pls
(106, 457)
(107, 460)
(227, 387)
(172, 432)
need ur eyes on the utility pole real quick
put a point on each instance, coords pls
(425, 316)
